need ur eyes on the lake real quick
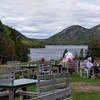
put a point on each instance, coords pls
(54, 51)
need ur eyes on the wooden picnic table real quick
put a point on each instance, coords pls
(12, 85)
(29, 66)
(59, 67)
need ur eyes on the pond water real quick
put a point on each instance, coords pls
(55, 51)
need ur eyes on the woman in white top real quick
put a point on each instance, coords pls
(66, 58)
(69, 55)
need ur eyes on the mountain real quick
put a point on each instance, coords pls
(74, 35)
(14, 45)
(30, 43)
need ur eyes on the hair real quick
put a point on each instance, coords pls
(88, 52)
(65, 52)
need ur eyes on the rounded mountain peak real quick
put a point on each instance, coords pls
(75, 26)
(74, 29)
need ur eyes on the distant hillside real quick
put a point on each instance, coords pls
(14, 45)
(76, 35)
(30, 43)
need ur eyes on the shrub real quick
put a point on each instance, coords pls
(94, 47)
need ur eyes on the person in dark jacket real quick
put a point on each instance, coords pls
(90, 55)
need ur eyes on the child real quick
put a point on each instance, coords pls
(96, 69)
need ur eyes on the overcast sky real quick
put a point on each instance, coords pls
(44, 18)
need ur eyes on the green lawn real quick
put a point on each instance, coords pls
(76, 78)
(91, 95)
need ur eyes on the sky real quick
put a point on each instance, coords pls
(43, 18)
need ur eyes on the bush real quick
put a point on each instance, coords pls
(94, 47)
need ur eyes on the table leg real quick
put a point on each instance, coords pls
(24, 89)
(60, 68)
(11, 94)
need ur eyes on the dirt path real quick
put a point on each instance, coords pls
(84, 87)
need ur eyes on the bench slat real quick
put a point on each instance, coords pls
(55, 95)
(4, 76)
(57, 86)
(50, 82)
(4, 71)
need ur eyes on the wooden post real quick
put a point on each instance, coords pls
(11, 94)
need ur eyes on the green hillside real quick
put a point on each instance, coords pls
(14, 45)
(76, 35)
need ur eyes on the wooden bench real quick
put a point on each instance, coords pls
(83, 69)
(45, 67)
(5, 75)
(70, 67)
(51, 87)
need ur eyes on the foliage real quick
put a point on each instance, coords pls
(94, 47)
(12, 46)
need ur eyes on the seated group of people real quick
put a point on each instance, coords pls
(91, 63)
(68, 57)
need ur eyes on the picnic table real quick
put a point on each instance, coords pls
(12, 85)
(29, 67)
(59, 67)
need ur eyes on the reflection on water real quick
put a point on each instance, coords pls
(54, 51)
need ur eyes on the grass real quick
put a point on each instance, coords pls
(92, 95)
(76, 78)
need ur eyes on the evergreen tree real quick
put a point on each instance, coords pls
(94, 47)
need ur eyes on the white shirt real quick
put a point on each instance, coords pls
(69, 55)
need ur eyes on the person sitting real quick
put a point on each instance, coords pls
(89, 65)
(71, 66)
(66, 56)
(96, 69)
(69, 55)
(90, 55)
(63, 60)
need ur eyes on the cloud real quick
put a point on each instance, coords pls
(44, 18)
